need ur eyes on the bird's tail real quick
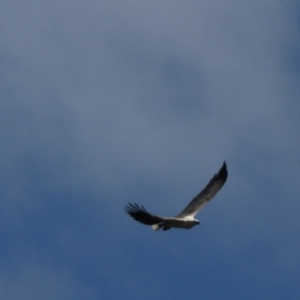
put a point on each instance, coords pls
(157, 226)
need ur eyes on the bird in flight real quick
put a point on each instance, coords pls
(186, 218)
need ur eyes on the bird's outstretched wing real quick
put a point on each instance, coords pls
(139, 213)
(208, 193)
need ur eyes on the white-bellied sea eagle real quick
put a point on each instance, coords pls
(186, 218)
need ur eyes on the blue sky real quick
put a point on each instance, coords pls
(108, 102)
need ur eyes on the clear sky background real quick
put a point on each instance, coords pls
(105, 102)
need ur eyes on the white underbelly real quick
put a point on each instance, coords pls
(175, 223)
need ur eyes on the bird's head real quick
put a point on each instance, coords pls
(196, 222)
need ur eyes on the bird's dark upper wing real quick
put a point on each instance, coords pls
(139, 213)
(208, 193)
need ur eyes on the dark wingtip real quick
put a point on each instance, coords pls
(223, 173)
(140, 214)
(133, 208)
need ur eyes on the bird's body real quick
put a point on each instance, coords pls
(176, 223)
(186, 218)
